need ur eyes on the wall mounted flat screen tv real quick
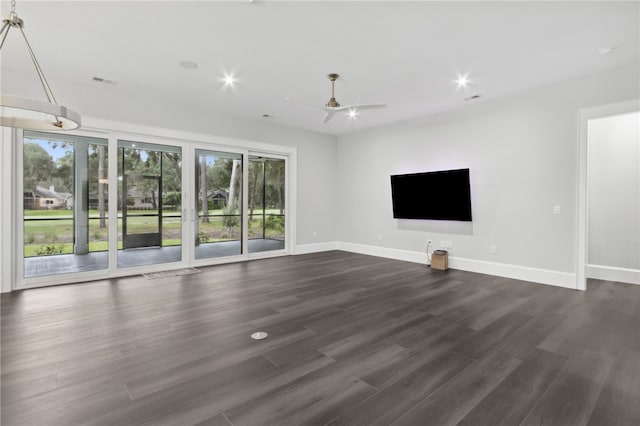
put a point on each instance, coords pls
(442, 195)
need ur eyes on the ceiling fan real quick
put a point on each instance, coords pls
(334, 106)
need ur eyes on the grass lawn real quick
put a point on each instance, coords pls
(48, 232)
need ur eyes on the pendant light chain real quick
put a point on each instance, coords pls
(43, 79)
(7, 22)
(15, 21)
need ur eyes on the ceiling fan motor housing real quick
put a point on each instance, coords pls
(332, 103)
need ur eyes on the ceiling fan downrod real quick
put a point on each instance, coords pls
(332, 102)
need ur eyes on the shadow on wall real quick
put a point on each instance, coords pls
(439, 226)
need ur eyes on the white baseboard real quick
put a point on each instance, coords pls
(517, 272)
(390, 253)
(315, 248)
(610, 273)
(542, 276)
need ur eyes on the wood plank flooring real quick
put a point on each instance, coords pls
(353, 340)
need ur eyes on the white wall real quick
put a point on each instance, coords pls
(522, 153)
(614, 196)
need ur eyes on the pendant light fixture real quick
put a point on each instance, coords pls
(30, 113)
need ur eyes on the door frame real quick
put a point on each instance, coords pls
(193, 196)
(582, 205)
(116, 137)
(287, 206)
(19, 282)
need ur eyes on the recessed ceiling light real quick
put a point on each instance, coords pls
(353, 113)
(462, 81)
(188, 65)
(605, 50)
(229, 80)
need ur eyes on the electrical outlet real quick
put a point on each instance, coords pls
(315, 234)
(556, 209)
(379, 237)
(493, 249)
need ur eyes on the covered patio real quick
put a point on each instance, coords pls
(38, 266)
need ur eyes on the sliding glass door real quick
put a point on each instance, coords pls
(149, 203)
(218, 201)
(65, 227)
(103, 207)
(266, 207)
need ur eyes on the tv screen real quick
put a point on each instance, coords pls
(443, 195)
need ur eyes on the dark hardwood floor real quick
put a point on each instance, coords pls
(353, 340)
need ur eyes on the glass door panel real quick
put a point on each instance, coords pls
(218, 224)
(149, 204)
(141, 229)
(266, 204)
(65, 216)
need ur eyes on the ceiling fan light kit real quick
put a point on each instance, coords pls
(30, 113)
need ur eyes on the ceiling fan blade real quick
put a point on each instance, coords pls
(363, 106)
(329, 116)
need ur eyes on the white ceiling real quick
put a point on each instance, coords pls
(404, 54)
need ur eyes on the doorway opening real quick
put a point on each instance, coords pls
(589, 214)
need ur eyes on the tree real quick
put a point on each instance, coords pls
(232, 187)
(203, 189)
(255, 173)
(172, 177)
(62, 178)
(219, 176)
(173, 174)
(275, 178)
(173, 199)
(38, 166)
